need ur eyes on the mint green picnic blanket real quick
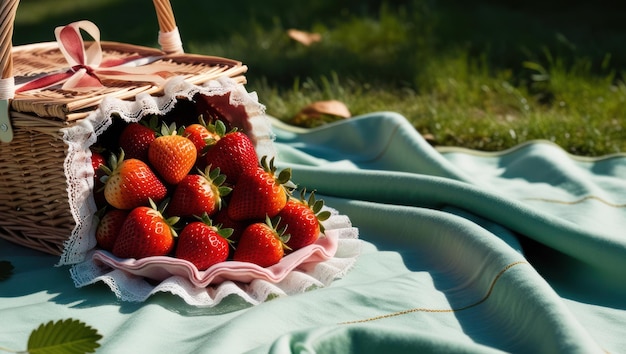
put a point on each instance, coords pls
(463, 251)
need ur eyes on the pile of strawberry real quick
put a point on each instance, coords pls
(198, 192)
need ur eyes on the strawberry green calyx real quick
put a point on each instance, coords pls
(99, 214)
(223, 232)
(218, 179)
(202, 122)
(216, 131)
(160, 211)
(170, 129)
(284, 176)
(280, 232)
(316, 205)
(114, 162)
(152, 123)
(218, 128)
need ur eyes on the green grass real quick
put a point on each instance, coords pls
(481, 74)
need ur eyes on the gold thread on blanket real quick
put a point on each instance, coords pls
(422, 309)
(578, 201)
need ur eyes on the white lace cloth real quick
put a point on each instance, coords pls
(80, 245)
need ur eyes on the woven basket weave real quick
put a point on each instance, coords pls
(34, 209)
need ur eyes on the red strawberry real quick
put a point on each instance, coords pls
(261, 244)
(302, 218)
(259, 193)
(172, 155)
(233, 153)
(136, 138)
(97, 160)
(199, 194)
(145, 233)
(109, 227)
(203, 244)
(201, 134)
(131, 183)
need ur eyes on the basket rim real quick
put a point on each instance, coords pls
(68, 106)
(135, 48)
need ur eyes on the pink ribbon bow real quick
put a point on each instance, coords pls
(86, 68)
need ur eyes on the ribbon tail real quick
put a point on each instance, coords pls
(132, 61)
(45, 81)
(154, 73)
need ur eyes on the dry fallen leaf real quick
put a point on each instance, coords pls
(306, 38)
(321, 112)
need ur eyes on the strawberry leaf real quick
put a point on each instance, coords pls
(152, 122)
(274, 224)
(63, 336)
(201, 121)
(323, 215)
(223, 190)
(317, 206)
(6, 270)
(284, 176)
(225, 232)
(220, 128)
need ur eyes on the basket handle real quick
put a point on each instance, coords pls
(169, 37)
(8, 9)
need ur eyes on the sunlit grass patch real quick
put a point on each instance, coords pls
(481, 74)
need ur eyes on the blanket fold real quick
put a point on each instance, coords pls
(567, 203)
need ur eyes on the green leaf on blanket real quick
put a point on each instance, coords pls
(63, 336)
(6, 270)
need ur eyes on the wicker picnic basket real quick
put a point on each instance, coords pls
(34, 209)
